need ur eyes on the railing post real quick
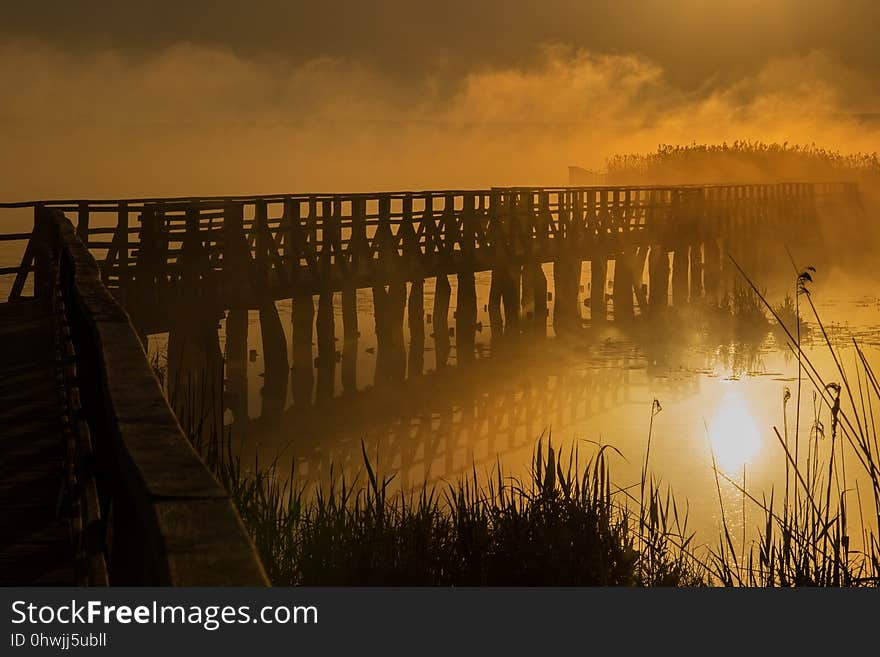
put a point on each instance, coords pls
(325, 323)
(82, 223)
(466, 292)
(43, 253)
(122, 232)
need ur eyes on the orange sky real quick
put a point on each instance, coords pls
(107, 98)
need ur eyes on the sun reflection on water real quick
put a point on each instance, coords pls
(733, 432)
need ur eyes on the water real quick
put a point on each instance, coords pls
(720, 396)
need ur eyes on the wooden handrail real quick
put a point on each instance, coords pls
(171, 521)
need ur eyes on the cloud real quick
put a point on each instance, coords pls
(191, 119)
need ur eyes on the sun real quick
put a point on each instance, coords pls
(733, 433)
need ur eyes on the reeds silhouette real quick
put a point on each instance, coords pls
(742, 161)
(807, 542)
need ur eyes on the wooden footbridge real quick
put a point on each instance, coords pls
(141, 505)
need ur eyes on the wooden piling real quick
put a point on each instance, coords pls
(302, 327)
(680, 275)
(711, 268)
(658, 296)
(696, 265)
(388, 317)
(623, 289)
(122, 237)
(527, 295)
(496, 319)
(510, 300)
(465, 317)
(325, 327)
(195, 363)
(195, 368)
(539, 283)
(395, 306)
(237, 284)
(350, 334)
(236, 362)
(598, 276)
(442, 295)
(638, 275)
(151, 267)
(275, 365)
(416, 321)
(380, 328)
(566, 283)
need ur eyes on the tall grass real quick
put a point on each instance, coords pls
(806, 538)
(742, 161)
(564, 524)
(560, 526)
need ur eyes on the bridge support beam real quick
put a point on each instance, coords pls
(195, 368)
(383, 347)
(496, 319)
(416, 321)
(711, 268)
(658, 263)
(696, 263)
(623, 289)
(195, 364)
(388, 308)
(566, 283)
(505, 303)
(275, 365)
(527, 295)
(465, 316)
(150, 276)
(640, 288)
(442, 294)
(238, 269)
(325, 326)
(680, 275)
(395, 307)
(350, 335)
(302, 325)
(236, 363)
(539, 285)
(510, 299)
(598, 276)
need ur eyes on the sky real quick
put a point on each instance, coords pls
(136, 98)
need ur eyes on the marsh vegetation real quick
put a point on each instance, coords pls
(568, 522)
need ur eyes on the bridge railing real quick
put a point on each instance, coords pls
(352, 227)
(163, 519)
(304, 241)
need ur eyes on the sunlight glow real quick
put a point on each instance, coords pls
(733, 433)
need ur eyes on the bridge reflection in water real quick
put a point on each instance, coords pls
(444, 425)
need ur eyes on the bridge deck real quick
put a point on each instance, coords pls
(35, 544)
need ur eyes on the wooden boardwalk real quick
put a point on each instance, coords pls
(35, 539)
